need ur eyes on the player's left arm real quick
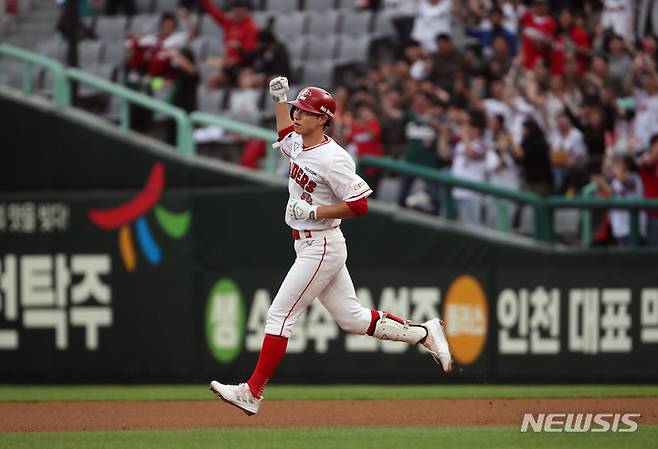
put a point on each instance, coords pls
(345, 209)
(346, 184)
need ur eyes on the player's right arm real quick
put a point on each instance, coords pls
(279, 89)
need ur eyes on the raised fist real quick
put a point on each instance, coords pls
(278, 89)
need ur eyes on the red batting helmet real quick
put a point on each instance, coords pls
(315, 100)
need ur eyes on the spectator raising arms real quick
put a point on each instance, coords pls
(649, 173)
(538, 29)
(433, 18)
(240, 36)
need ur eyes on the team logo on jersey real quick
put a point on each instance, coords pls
(297, 174)
(307, 197)
(134, 212)
(356, 187)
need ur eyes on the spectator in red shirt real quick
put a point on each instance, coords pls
(365, 135)
(571, 42)
(649, 173)
(538, 31)
(240, 35)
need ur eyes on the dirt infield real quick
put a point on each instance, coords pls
(124, 415)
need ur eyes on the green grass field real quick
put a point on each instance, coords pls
(327, 438)
(332, 438)
(313, 392)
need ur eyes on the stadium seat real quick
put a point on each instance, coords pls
(144, 6)
(166, 6)
(321, 47)
(320, 73)
(353, 49)
(356, 22)
(12, 74)
(210, 28)
(112, 27)
(383, 25)
(114, 53)
(52, 48)
(261, 18)
(319, 5)
(90, 53)
(289, 25)
(210, 101)
(281, 5)
(322, 22)
(105, 71)
(144, 23)
(296, 48)
(215, 47)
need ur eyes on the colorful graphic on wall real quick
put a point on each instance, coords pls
(134, 213)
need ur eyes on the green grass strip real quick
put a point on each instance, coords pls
(304, 392)
(333, 438)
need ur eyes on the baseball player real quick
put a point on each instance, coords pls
(324, 189)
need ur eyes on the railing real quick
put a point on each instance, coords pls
(269, 136)
(62, 78)
(184, 141)
(543, 207)
(62, 93)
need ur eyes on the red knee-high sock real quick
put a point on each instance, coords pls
(271, 354)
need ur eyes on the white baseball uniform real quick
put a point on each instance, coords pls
(321, 175)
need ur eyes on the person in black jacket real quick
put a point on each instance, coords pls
(270, 58)
(533, 156)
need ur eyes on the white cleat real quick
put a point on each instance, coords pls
(437, 345)
(238, 395)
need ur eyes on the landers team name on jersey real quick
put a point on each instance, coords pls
(297, 174)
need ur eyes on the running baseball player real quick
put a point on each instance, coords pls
(324, 189)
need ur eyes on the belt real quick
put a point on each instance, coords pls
(297, 234)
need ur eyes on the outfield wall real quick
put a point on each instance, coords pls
(155, 268)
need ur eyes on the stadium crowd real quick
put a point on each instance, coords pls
(544, 96)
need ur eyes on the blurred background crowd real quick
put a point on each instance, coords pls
(544, 96)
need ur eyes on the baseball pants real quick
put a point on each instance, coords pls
(319, 272)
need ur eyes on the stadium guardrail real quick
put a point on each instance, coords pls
(61, 93)
(269, 136)
(62, 78)
(543, 207)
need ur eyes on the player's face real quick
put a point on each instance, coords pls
(306, 122)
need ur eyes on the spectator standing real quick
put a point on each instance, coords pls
(617, 16)
(568, 154)
(621, 183)
(571, 43)
(420, 141)
(365, 135)
(469, 163)
(495, 28)
(649, 174)
(533, 155)
(433, 18)
(501, 169)
(619, 62)
(446, 62)
(268, 59)
(538, 29)
(240, 36)
(646, 107)
(185, 84)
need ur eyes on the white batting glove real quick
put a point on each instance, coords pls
(278, 89)
(301, 210)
